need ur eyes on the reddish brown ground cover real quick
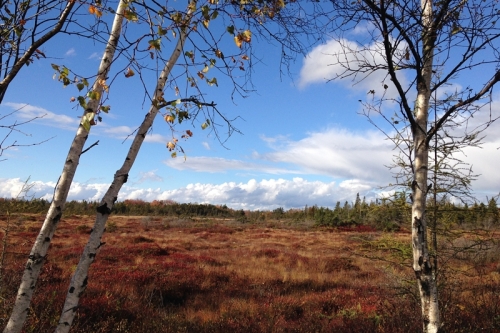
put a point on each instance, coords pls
(168, 275)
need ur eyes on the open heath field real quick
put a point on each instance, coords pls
(207, 275)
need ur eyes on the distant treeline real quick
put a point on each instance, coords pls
(385, 214)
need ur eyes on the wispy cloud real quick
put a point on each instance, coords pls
(95, 55)
(150, 176)
(46, 117)
(70, 53)
(222, 165)
(127, 132)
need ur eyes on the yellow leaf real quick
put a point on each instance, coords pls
(247, 36)
(102, 83)
(205, 69)
(205, 23)
(130, 15)
(169, 118)
(170, 146)
(238, 40)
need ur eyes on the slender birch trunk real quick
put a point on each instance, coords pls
(39, 250)
(79, 280)
(422, 265)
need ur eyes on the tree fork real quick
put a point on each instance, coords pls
(41, 245)
(79, 280)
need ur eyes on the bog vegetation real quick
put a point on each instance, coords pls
(173, 267)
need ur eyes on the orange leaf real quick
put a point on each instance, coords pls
(94, 11)
(129, 72)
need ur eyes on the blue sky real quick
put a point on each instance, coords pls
(302, 143)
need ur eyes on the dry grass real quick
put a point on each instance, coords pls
(214, 276)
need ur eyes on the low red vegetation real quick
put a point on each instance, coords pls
(243, 278)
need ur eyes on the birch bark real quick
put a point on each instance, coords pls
(41, 245)
(422, 265)
(79, 280)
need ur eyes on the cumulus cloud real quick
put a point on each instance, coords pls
(267, 193)
(339, 59)
(252, 195)
(338, 153)
(10, 188)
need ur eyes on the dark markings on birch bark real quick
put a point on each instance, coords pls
(85, 281)
(103, 209)
(71, 290)
(125, 178)
(418, 224)
(47, 239)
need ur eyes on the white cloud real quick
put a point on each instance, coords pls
(95, 55)
(11, 188)
(126, 132)
(267, 194)
(252, 195)
(338, 59)
(221, 165)
(337, 153)
(48, 118)
(71, 52)
(206, 145)
(149, 176)
(156, 138)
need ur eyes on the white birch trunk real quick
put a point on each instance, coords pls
(79, 280)
(39, 250)
(422, 265)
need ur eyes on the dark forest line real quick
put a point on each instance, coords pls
(384, 214)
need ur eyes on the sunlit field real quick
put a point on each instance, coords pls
(212, 275)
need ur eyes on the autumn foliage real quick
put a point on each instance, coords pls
(172, 274)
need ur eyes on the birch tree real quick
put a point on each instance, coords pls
(186, 25)
(80, 277)
(420, 47)
(39, 250)
(204, 56)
